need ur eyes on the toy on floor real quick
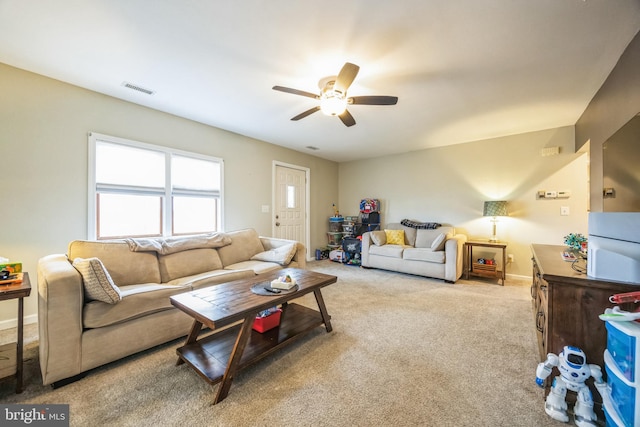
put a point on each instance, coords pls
(574, 372)
(337, 255)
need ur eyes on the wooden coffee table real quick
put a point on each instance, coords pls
(218, 356)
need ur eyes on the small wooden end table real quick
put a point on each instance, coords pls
(218, 356)
(484, 270)
(8, 292)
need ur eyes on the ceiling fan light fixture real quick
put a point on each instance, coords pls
(333, 103)
(333, 98)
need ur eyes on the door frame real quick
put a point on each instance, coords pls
(307, 201)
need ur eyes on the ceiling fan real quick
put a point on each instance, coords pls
(333, 96)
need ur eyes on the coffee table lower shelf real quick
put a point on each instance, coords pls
(209, 356)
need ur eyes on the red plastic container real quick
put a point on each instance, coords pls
(263, 324)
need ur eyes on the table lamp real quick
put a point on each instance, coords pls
(495, 208)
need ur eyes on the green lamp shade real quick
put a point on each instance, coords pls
(495, 208)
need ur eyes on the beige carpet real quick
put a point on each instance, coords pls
(404, 351)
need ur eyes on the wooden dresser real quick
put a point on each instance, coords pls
(566, 307)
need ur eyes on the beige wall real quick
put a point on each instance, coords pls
(43, 136)
(621, 170)
(615, 103)
(450, 184)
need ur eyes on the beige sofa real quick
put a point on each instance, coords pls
(78, 332)
(437, 253)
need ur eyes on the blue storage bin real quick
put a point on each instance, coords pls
(611, 419)
(623, 394)
(622, 344)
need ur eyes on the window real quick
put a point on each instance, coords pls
(138, 189)
(291, 196)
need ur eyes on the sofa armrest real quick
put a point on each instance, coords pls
(300, 257)
(364, 249)
(60, 303)
(454, 257)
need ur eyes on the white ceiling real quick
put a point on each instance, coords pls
(463, 70)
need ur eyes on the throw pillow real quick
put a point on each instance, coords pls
(98, 285)
(438, 242)
(378, 237)
(282, 255)
(394, 237)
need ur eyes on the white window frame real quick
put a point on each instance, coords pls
(167, 219)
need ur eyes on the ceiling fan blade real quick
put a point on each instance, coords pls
(306, 113)
(296, 92)
(347, 118)
(373, 100)
(346, 76)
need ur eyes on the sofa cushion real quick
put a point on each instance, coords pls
(137, 301)
(257, 267)
(409, 235)
(378, 237)
(424, 254)
(392, 251)
(425, 238)
(281, 255)
(244, 245)
(124, 266)
(394, 237)
(98, 285)
(188, 263)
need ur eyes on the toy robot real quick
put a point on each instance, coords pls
(574, 372)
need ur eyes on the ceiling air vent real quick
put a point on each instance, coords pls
(138, 88)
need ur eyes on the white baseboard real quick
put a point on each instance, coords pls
(519, 277)
(13, 323)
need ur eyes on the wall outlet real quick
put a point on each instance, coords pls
(265, 208)
(564, 210)
(510, 258)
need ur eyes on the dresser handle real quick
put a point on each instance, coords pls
(540, 321)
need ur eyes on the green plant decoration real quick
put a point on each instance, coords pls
(574, 240)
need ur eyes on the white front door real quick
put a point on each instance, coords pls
(290, 203)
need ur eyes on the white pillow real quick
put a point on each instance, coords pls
(438, 242)
(98, 284)
(379, 237)
(282, 255)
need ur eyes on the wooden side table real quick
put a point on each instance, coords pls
(7, 292)
(484, 270)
